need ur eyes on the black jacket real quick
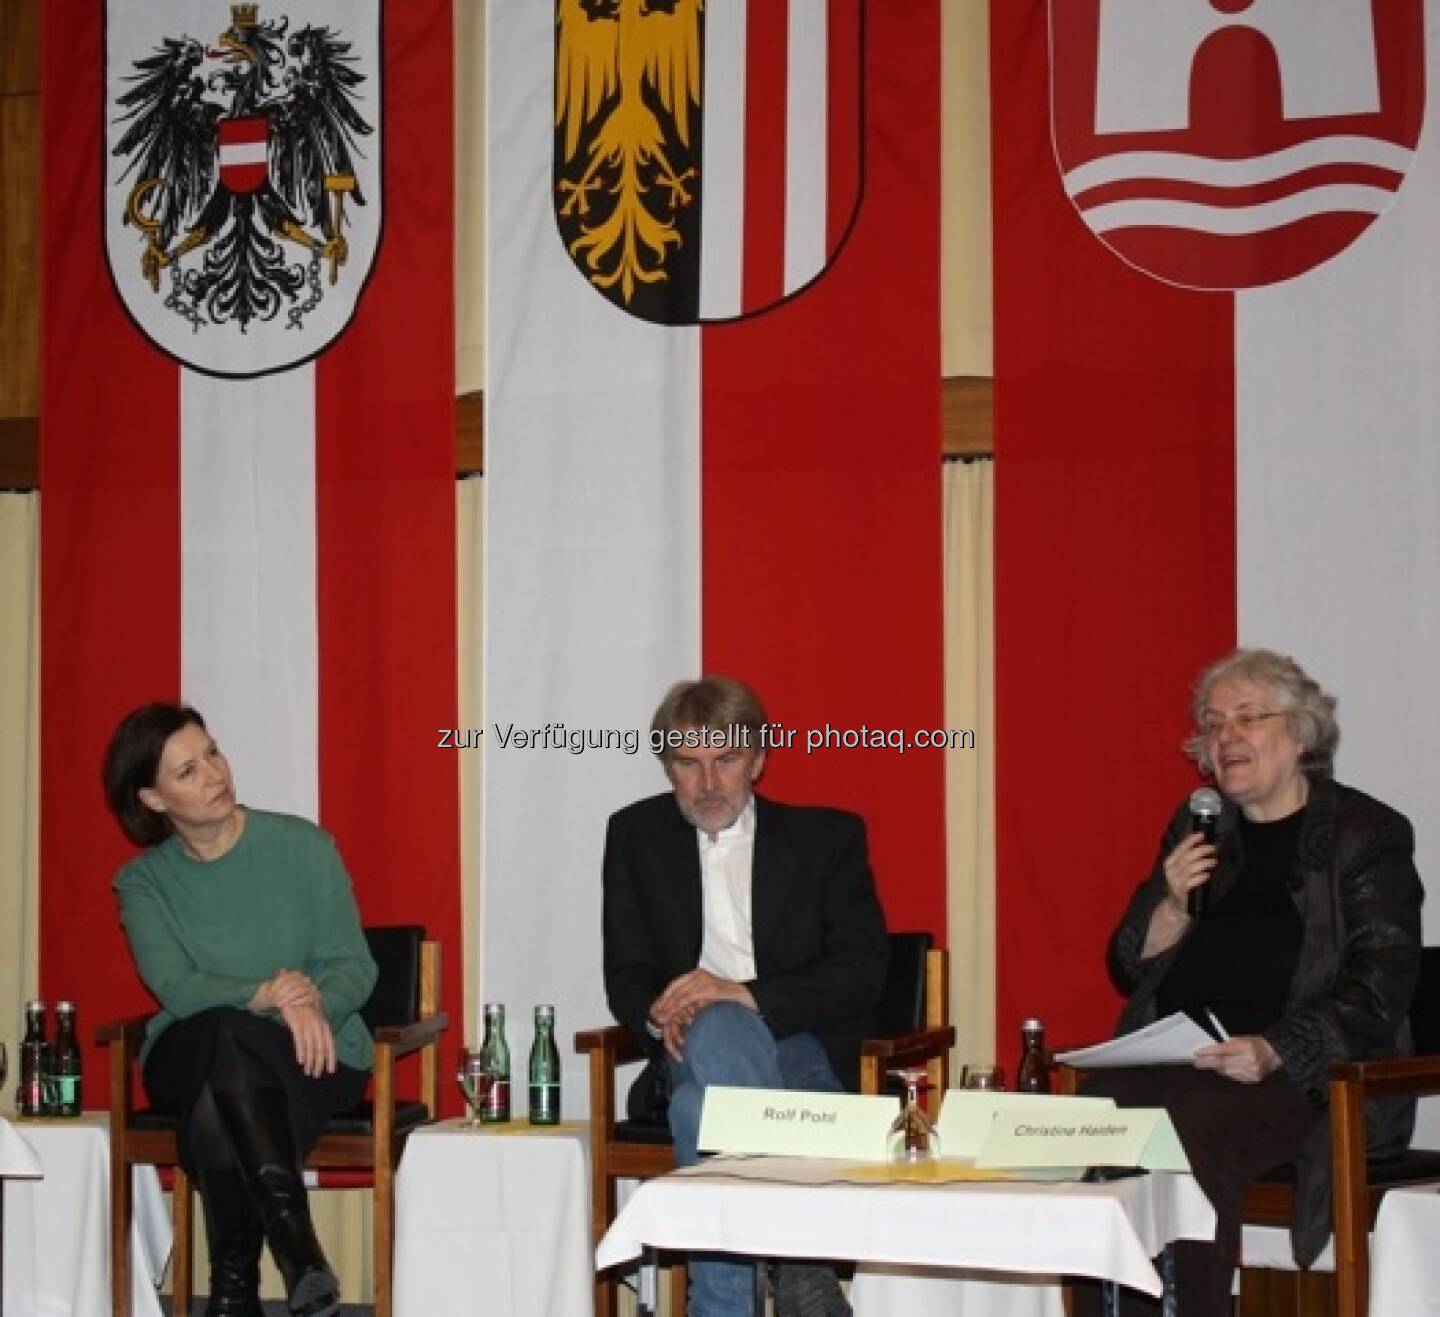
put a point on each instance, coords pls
(1355, 887)
(821, 950)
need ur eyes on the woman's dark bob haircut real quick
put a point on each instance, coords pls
(132, 761)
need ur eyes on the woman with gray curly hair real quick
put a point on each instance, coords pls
(1306, 949)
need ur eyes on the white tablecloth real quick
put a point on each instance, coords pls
(1405, 1254)
(497, 1219)
(880, 1291)
(57, 1229)
(781, 1207)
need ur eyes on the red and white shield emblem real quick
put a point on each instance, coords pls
(709, 158)
(244, 144)
(1225, 144)
(244, 174)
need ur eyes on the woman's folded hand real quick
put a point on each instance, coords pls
(289, 987)
(314, 1043)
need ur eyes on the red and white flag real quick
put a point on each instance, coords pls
(1216, 421)
(712, 430)
(248, 472)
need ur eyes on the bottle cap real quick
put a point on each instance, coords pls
(64, 1007)
(1032, 1025)
(35, 1005)
(545, 1013)
(494, 1008)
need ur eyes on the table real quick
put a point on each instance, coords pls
(57, 1229)
(1404, 1266)
(17, 1162)
(497, 1218)
(789, 1207)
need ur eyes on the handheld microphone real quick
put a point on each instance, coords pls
(1205, 807)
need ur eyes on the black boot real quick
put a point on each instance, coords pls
(809, 1289)
(235, 1234)
(259, 1128)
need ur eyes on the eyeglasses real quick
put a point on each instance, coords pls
(1242, 720)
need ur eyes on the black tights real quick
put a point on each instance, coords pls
(228, 1050)
(233, 1069)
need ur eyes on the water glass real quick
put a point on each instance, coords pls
(984, 1077)
(475, 1078)
(912, 1138)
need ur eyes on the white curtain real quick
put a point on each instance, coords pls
(970, 773)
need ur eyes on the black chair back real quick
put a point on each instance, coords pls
(396, 998)
(902, 1007)
(1425, 1009)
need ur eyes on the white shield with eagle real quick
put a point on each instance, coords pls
(243, 174)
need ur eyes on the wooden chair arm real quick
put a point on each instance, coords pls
(614, 1043)
(1393, 1076)
(905, 1048)
(402, 1039)
(130, 1031)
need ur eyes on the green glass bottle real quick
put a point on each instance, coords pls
(63, 1083)
(496, 1051)
(544, 1070)
(34, 1062)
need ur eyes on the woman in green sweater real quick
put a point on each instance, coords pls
(243, 926)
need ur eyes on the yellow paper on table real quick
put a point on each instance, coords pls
(782, 1123)
(1121, 1136)
(967, 1114)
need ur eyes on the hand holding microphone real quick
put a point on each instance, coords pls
(1188, 866)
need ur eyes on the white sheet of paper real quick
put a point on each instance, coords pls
(1171, 1041)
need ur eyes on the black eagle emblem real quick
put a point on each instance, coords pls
(233, 150)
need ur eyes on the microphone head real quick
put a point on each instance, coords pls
(1205, 803)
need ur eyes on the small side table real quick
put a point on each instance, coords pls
(71, 1204)
(17, 1162)
(500, 1214)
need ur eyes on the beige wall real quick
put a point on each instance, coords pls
(965, 192)
(965, 319)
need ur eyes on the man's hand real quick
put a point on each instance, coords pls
(674, 1009)
(1247, 1060)
(314, 1043)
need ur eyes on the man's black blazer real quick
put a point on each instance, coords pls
(821, 949)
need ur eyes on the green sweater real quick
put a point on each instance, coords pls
(209, 934)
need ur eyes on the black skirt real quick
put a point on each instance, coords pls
(180, 1061)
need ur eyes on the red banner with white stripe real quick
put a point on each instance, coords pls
(712, 433)
(1214, 267)
(247, 471)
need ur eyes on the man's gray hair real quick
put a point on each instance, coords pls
(1309, 710)
(715, 703)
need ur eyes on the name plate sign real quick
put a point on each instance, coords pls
(781, 1123)
(967, 1115)
(1118, 1136)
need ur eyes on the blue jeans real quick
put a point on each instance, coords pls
(728, 1044)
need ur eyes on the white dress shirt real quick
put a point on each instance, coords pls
(728, 946)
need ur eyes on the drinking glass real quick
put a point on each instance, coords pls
(912, 1138)
(475, 1078)
(990, 1077)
